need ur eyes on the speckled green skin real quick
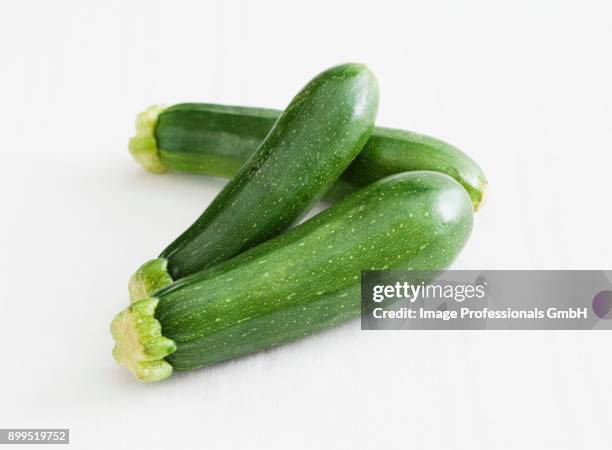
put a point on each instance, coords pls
(211, 139)
(308, 278)
(217, 140)
(314, 140)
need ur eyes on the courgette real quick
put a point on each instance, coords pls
(310, 145)
(300, 282)
(217, 139)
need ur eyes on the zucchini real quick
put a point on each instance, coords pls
(310, 145)
(298, 283)
(217, 139)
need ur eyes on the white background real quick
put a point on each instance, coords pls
(524, 87)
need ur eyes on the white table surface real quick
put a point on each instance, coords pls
(524, 87)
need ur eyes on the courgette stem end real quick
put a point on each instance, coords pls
(143, 146)
(149, 278)
(482, 197)
(139, 343)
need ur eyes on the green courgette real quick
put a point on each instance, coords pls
(300, 282)
(217, 139)
(313, 141)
